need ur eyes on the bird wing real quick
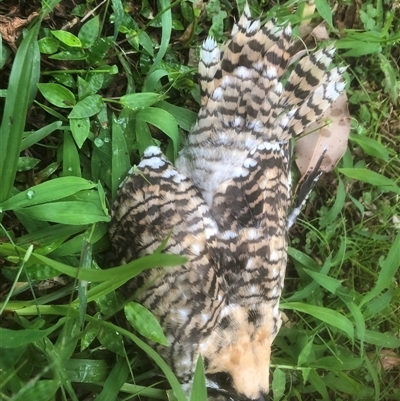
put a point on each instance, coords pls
(225, 206)
(156, 203)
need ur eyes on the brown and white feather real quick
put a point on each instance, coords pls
(225, 206)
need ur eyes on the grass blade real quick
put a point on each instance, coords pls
(326, 315)
(47, 192)
(163, 121)
(199, 390)
(370, 177)
(124, 272)
(114, 382)
(120, 161)
(166, 24)
(35, 137)
(389, 269)
(16, 108)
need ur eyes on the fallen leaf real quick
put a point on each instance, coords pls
(329, 134)
(389, 359)
(11, 28)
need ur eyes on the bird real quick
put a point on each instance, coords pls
(224, 205)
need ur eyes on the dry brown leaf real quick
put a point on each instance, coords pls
(320, 32)
(333, 137)
(311, 31)
(11, 28)
(389, 359)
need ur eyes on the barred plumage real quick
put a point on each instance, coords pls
(225, 205)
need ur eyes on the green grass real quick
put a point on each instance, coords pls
(119, 82)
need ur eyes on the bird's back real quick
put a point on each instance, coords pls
(225, 207)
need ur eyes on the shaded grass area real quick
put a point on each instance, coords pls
(96, 80)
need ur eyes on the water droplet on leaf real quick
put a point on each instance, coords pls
(98, 142)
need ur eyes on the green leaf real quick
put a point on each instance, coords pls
(138, 101)
(114, 382)
(84, 89)
(125, 272)
(73, 212)
(19, 338)
(34, 272)
(107, 304)
(98, 52)
(328, 316)
(319, 384)
(9, 358)
(278, 384)
(95, 82)
(371, 146)
(87, 107)
(325, 11)
(360, 44)
(329, 283)
(112, 340)
(48, 45)
(163, 121)
(370, 177)
(80, 128)
(305, 353)
(36, 136)
(184, 117)
(87, 370)
(26, 163)
(51, 111)
(378, 304)
(57, 95)
(341, 362)
(389, 268)
(51, 238)
(41, 390)
(358, 317)
(5, 52)
(67, 38)
(305, 260)
(89, 334)
(68, 56)
(74, 245)
(120, 161)
(374, 373)
(146, 42)
(345, 383)
(89, 32)
(23, 74)
(67, 339)
(199, 389)
(328, 218)
(85, 262)
(71, 161)
(390, 83)
(166, 27)
(144, 322)
(46, 192)
(217, 27)
(176, 386)
(118, 15)
(143, 136)
(151, 84)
